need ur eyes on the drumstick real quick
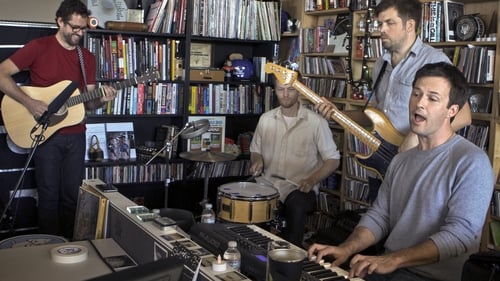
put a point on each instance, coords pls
(285, 179)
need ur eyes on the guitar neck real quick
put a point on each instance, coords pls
(99, 92)
(343, 120)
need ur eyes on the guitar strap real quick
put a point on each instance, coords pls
(380, 75)
(82, 66)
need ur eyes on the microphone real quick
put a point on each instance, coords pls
(195, 128)
(57, 103)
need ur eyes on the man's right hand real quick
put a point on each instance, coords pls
(36, 107)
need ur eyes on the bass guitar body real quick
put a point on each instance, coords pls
(378, 160)
(382, 143)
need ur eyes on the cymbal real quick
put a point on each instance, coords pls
(207, 156)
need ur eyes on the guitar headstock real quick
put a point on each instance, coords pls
(284, 75)
(148, 76)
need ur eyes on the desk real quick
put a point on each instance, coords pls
(146, 243)
(35, 262)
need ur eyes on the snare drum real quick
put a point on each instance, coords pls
(247, 202)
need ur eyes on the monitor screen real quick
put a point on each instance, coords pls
(169, 269)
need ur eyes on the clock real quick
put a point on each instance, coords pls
(469, 27)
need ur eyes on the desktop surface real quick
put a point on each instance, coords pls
(36, 263)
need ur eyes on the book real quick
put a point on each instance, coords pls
(433, 21)
(160, 19)
(213, 139)
(338, 36)
(99, 130)
(451, 10)
(120, 141)
(490, 65)
(152, 17)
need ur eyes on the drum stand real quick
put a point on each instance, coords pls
(208, 172)
(207, 158)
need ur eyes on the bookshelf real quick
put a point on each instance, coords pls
(485, 127)
(168, 52)
(189, 58)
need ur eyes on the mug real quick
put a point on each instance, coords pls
(284, 261)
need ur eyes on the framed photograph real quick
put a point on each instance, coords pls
(480, 99)
(91, 214)
(120, 141)
(200, 55)
(452, 10)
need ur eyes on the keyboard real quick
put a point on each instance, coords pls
(252, 243)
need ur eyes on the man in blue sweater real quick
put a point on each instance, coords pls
(432, 204)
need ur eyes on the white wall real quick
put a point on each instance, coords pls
(29, 10)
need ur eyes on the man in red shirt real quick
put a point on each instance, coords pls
(59, 161)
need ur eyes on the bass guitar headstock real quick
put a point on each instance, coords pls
(284, 75)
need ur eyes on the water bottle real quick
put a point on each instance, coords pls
(232, 255)
(208, 215)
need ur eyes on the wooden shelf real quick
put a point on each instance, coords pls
(328, 12)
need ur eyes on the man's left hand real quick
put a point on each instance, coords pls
(306, 185)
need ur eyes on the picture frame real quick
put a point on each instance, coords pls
(452, 10)
(480, 99)
(213, 139)
(200, 55)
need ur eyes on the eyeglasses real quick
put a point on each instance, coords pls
(76, 28)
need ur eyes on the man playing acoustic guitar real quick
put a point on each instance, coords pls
(59, 161)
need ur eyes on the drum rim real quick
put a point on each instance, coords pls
(249, 198)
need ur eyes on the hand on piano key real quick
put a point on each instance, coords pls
(324, 271)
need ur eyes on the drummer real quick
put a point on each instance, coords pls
(293, 150)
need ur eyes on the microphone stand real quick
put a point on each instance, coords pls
(168, 144)
(36, 142)
(168, 148)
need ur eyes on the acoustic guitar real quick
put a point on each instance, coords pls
(21, 126)
(382, 142)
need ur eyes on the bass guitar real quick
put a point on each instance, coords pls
(382, 142)
(21, 126)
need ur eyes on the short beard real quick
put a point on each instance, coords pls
(69, 40)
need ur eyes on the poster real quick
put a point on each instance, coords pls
(213, 139)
